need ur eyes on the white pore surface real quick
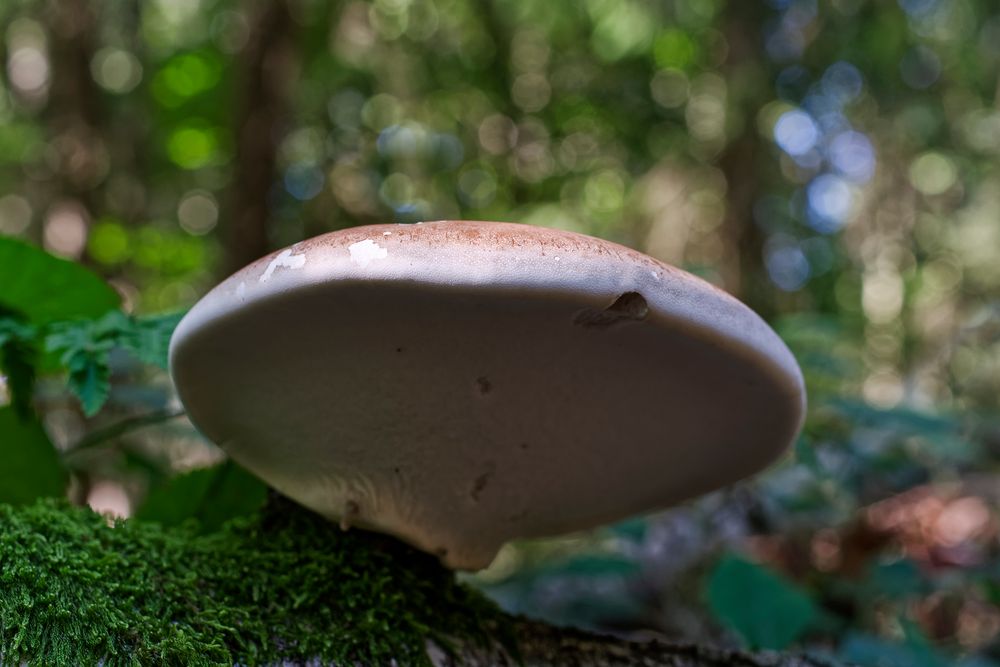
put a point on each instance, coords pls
(461, 384)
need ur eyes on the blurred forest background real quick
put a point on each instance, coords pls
(833, 163)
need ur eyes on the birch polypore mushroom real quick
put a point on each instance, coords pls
(461, 384)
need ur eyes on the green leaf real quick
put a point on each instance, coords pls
(149, 337)
(18, 357)
(633, 530)
(84, 353)
(20, 142)
(904, 420)
(44, 288)
(898, 580)
(868, 650)
(210, 495)
(84, 347)
(90, 380)
(29, 464)
(234, 492)
(592, 566)
(767, 610)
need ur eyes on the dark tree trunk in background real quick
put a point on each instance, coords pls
(267, 77)
(73, 113)
(743, 270)
(73, 116)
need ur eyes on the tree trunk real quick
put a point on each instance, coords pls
(543, 645)
(741, 162)
(282, 587)
(268, 76)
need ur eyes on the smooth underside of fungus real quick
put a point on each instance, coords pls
(461, 384)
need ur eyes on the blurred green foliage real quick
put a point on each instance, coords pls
(31, 466)
(833, 163)
(779, 613)
(211, 496)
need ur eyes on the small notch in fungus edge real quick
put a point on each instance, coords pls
(630, 306)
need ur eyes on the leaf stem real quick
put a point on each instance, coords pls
(123, 427)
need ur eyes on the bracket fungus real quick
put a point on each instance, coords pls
(461, 384)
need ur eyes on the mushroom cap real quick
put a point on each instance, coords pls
(461, 384)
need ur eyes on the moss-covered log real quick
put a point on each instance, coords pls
(283, 587)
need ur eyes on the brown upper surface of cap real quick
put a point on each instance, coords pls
(460, 384)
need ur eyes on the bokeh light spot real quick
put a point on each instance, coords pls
(669, 87)
(851, 153)
(674, 49)
(933, 173)
(109, 243)
(198, 212)
(15, 214)
(407, 140)
(497, 134)
(786, 263)
(918, 8)
(448, 150)
(831, 200)
(116, 70)
(304, 181)
(185, 76)
(477, 187)
(230, 31)
(842, 81)
(796, 132)
(381, 111)
(882, 296)
(397, 190)
(109, 499)
(920, 67)
(622, 28)
(531, 92)
(28, 70)
(193, 146)
(65, 231)
(604, 192)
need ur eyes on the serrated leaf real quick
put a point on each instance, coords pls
(210, 495)
(29, 465)
(84, 347)
(90, 380)
(149, 338)
(765, 609)
(44, 288)
(111, 325)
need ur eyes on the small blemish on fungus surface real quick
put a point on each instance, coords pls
(365, 252)
(285, 260)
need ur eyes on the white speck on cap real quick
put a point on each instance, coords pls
(365, 252)
(284, 260)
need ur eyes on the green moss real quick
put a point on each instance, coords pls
(284, 586)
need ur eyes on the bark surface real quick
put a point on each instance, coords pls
(283, 587)
(543, 645)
